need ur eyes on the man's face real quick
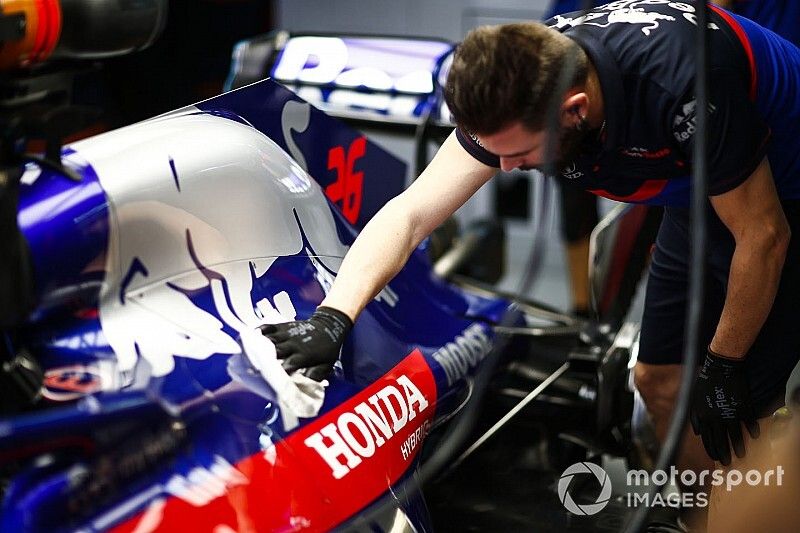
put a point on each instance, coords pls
(519, 147)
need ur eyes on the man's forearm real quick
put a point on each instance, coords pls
(388, 239)
(381, 250)
(752, 284)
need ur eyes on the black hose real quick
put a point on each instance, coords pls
(421, 137)
(696, 274)
(429, 113)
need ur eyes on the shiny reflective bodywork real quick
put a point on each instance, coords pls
(194, 228)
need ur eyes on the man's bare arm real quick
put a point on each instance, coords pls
(753, 214)
(384, 245)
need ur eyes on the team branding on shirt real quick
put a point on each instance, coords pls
(685, 122)
(629, 12)
(476, 139)
(371, 424)
(645, 153)
(571, 172)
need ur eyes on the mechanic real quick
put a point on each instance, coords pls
(627, 130)
(579, 213)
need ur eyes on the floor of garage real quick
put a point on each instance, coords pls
(506, 487)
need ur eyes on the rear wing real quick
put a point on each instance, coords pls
(382, 80)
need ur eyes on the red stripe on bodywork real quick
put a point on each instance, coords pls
(742, 36)
(294, 487)
(649, 189)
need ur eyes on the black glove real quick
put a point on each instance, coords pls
(312, 344)
(721, 403)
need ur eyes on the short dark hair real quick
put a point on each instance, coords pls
(501, 74)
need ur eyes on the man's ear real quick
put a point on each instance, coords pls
(574, 109)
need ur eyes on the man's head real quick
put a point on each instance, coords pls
(505, 77)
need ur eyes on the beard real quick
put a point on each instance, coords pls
(572, 142)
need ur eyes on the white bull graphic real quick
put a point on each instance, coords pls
(198, 202)
(631, 12)
(618, 16)
(638, 16)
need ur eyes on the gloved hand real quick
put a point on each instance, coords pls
(311, 344)
(721, 403)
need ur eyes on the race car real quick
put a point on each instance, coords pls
(139, 393)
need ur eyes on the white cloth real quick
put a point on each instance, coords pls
(298, 396)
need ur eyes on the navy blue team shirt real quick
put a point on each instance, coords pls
(781, 16)
(644, 56)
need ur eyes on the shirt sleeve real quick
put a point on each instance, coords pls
(473, 146)
(737, 135)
